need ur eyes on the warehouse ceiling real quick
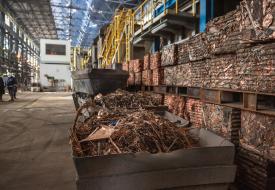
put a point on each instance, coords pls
(35, 16)
(75, 20)
(80, 20)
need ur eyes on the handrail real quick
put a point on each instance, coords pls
(116, 34)
(145, 13)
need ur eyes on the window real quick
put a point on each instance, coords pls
(53, 49)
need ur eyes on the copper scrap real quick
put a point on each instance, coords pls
(138, 131)
(132, 131)
(125, 99)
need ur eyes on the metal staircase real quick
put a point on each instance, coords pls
(117, 43)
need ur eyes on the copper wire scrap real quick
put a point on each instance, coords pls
(125, 130)
(124, 99)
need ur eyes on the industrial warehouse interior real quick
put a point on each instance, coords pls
(137, 94)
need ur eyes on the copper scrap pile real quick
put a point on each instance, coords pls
(169, 55)
(127, 131)
(124, 99)
(106, 126)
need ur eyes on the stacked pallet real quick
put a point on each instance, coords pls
(169, 55)
(255, 171)
(256, 156)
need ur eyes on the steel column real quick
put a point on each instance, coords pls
(206, 13)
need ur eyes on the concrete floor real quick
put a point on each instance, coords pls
(34, 146)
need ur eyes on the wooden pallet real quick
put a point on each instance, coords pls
(251, 101)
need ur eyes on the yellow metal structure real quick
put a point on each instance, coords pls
(117, 45)
(80, 58)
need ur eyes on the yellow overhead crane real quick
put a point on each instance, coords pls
(117, 45)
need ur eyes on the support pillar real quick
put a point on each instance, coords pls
(206, 13)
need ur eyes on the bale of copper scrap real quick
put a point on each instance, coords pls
(125, 66)
(169, 55)
(137, 65)
(147, 77)
(124, 99)
(169, 76)
(122, 131)
(131, 79)
(254, 68)
(197, 47)
(157, 76)
(138, 78)
(131, 65)
(223, 33)
(176, 105)
(257, 20)
(183, 53)
(146, 63)
(155, 60)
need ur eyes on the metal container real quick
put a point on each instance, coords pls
(209, 166)
(90, 82)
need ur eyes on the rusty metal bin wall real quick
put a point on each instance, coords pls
(211, 163)
(94, 81)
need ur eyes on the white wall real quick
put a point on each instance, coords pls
(44, 58)
(57, 66)
(58, 71)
